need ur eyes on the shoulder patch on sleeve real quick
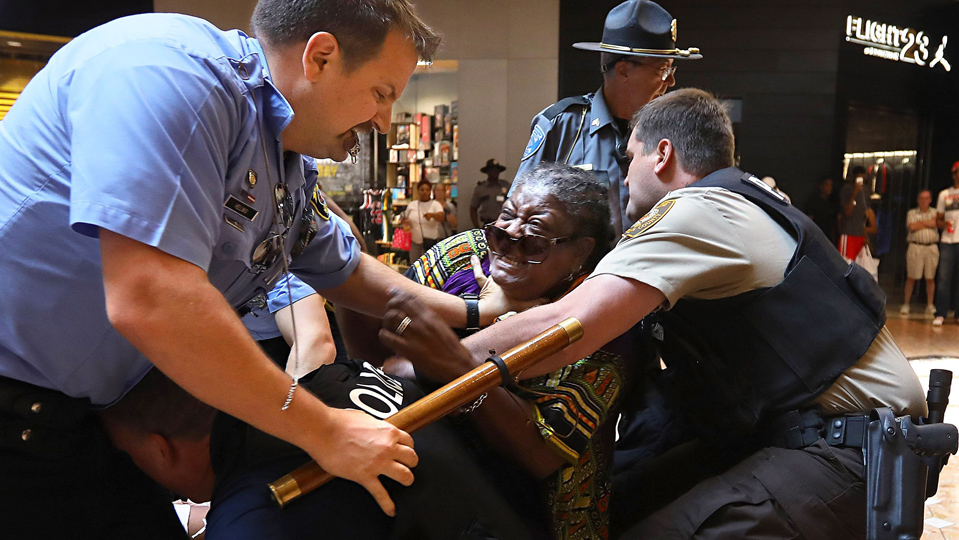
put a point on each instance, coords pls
(319, 203)
(651, 218)
(536, 139)
(543, 121)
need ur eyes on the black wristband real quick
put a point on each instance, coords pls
(472, 312)
(508, 382)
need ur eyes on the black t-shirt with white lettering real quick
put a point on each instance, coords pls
(453, 495)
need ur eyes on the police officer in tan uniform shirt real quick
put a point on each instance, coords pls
(769, 338)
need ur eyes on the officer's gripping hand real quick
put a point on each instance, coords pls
(358, 447)
(427, 341)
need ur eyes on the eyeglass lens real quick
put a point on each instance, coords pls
(284, 205)
(266, 253)
(531, 247)
(664, 71)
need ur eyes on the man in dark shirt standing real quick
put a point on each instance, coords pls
(821, 207)
(852, 215)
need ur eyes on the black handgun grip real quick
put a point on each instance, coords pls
(934, 439)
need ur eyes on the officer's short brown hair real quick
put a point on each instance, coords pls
(697, 125)
(360, 26)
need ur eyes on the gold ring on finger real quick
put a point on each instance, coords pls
(402, 326)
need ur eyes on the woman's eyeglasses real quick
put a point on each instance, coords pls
(533, 248)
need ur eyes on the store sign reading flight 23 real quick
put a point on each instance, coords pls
(893, 43)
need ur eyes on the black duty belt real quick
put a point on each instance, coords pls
(799, 429)
(38, 420)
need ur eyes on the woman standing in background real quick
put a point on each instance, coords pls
(423, 218)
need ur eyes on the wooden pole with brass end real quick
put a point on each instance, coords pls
(447, 399)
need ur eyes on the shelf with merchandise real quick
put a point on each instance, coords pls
(419, 146)
(422, 146)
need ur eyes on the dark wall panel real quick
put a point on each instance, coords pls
(65, 18)
(789, 64)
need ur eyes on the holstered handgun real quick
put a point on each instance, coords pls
(903, 461)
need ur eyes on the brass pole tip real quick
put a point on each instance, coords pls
(574, 329)
(285, 490)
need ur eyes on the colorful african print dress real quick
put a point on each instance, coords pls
(575, 406)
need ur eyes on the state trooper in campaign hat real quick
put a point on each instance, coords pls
(492, 165)
(638, 49)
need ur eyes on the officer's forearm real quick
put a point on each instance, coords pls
(313, 345)
(367, 291)
(606, 305)
(167, 308)
(506, 423)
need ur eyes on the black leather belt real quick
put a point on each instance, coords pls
(921, 244)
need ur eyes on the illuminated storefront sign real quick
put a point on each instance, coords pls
(894, 43)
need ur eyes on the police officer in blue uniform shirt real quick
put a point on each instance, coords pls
(637, 54)
(154, 181)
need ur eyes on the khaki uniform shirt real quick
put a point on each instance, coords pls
(710, 243)
(488, 200)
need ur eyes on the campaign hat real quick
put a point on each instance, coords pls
(640, 28)
(492, 164)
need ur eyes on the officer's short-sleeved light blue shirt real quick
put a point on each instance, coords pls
(260, 322)
(148, 126)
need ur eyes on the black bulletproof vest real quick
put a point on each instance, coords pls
(734, 362)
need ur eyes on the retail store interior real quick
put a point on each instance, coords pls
(808, 97)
